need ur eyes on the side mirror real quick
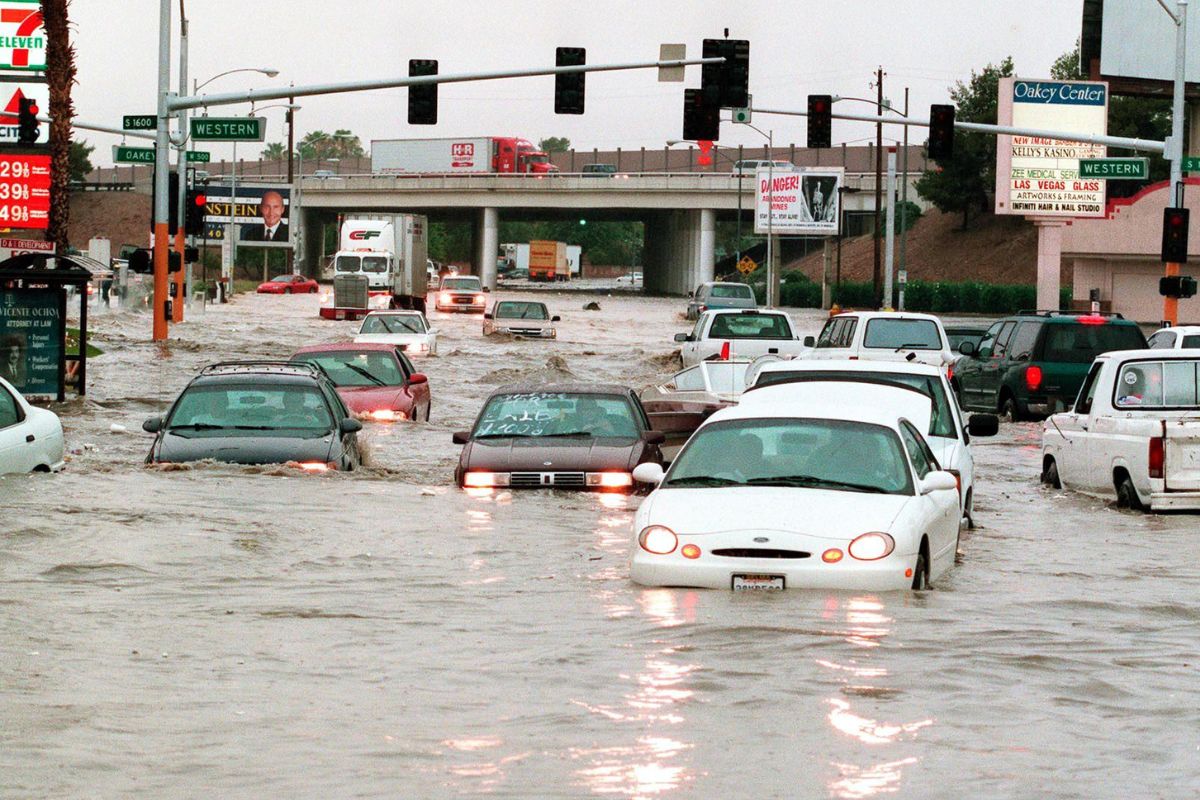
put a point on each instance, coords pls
(556, 318)
(460, 437)
(349, 425)
(153, 425)
(417, 378)
(654, 437)
(938, 481)
(487, 315)
(967, 348)
(810, 341)
(983, 425)
(681, 337)
(648, 473)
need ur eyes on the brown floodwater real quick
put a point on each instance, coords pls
(220, 631)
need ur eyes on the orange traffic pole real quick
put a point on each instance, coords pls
(178, 278)
(161, 246)
(1171, 304)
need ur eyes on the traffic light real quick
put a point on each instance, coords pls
(1182, 286)
(174, 260)
(820, 120)
(941, 132)
(194, 212)
(726, 85)
(422, 100)
(568, 88)
(172, 204)
(701, 121)
(28, 129)
(1175, 235)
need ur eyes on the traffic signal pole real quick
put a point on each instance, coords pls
(161, 167)
(178, 279)
(1175, 151)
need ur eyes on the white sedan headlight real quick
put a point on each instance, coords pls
(658, 540)
(871, 546)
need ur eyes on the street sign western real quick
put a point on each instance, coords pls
(1115, 169)
(229, 129)
(133, 155)
(139, 122)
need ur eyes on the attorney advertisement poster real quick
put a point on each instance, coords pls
(802, 202)
(31, 335)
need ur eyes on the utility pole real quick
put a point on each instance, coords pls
(878, 273)
(890, 224)
(291, 115)
(904, 204)
(1175, 150)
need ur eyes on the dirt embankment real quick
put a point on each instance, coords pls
(995, 249)
(121, 217)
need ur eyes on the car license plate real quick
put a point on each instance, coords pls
(758, 583)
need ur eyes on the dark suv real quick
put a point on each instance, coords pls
(1031, 364)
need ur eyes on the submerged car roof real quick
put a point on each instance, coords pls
(346, 347)
(242, 372)
(868, 403)
(576, 387)
(862, 365)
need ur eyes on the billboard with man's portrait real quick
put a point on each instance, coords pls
(261, 214)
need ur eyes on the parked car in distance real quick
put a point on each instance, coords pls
(883, 335)
(258, 412)
(716, 295)
(599, 170)
(31, 438)
(750, 166)
(739, 334)
(1031, 364)
(630, 279)
(289, 284)
(376, 381)
(949, 433)
(461, 293)
(1133, 432)
(834, 495)
(520, 318)
(1177, 337)
(557, 436)
(407, 330)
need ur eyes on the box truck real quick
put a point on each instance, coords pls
(461, 156)
(548, 261)
(387, 255)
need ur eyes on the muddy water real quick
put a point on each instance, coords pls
(238, 633)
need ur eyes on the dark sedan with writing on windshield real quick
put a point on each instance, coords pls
(558, 436)
(258, 413)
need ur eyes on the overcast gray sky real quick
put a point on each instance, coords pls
(798, 47)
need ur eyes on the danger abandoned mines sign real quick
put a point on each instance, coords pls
(1039, 176)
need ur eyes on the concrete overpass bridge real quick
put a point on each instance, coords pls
(679, 211)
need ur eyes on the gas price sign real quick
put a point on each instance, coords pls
(24, 191)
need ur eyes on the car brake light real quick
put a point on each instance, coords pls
(958, 481)
(658, 540)
(703, 309)
(387, 415)
(609, 480)
(1091, 320)
(1033, 377)
(485, 480)
(1155, 457)
(949, 373)
(725, 351)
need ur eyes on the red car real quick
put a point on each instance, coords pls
(375, 381)
(289, 284)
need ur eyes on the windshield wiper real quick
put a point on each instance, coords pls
(812, 480)
(197, 426)
(566, 433)
(912, 345)
(703, 480)
(365, 374)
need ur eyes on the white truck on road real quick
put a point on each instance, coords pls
(390, 251)
(739, 333)
(1134, 432)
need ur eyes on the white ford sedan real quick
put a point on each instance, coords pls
(839, 494)
(31, 438)
(408, 330)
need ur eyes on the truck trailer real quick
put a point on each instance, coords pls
(387, 254)
(459, 156)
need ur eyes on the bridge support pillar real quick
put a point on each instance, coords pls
(680, 250)
(487, 246)
(706, 257)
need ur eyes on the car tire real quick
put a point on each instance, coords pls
(1008, 409)
(314, 290)
(1127, 496)
(920, 581)
(1050, 474)
(969, 509)
(287, 290)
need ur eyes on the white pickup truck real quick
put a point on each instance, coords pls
(739, 333)
(1133, 432)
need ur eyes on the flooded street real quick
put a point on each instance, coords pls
(236, 632)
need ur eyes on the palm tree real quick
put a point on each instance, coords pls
(275, 151)
(60, 75)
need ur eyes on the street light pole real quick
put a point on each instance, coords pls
(180, 281)
(161, 167)
(1175, 154)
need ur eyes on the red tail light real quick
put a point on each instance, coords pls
(1091, 320)
(1033, 377)
(1156, 457)
(725, 351)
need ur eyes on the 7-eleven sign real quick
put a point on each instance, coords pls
(10, 104)
(22, 38)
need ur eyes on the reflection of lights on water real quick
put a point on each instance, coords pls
(483, 494)
(613, 773)
(478, 520)
(669, 607)
(860, 782)
(867, 730)
(854, 669)
(471, 745)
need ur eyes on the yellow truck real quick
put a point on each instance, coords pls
(548, 261)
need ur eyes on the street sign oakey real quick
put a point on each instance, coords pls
(139, 122)
(133, 155)
(229, 129)
(1115, 169)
